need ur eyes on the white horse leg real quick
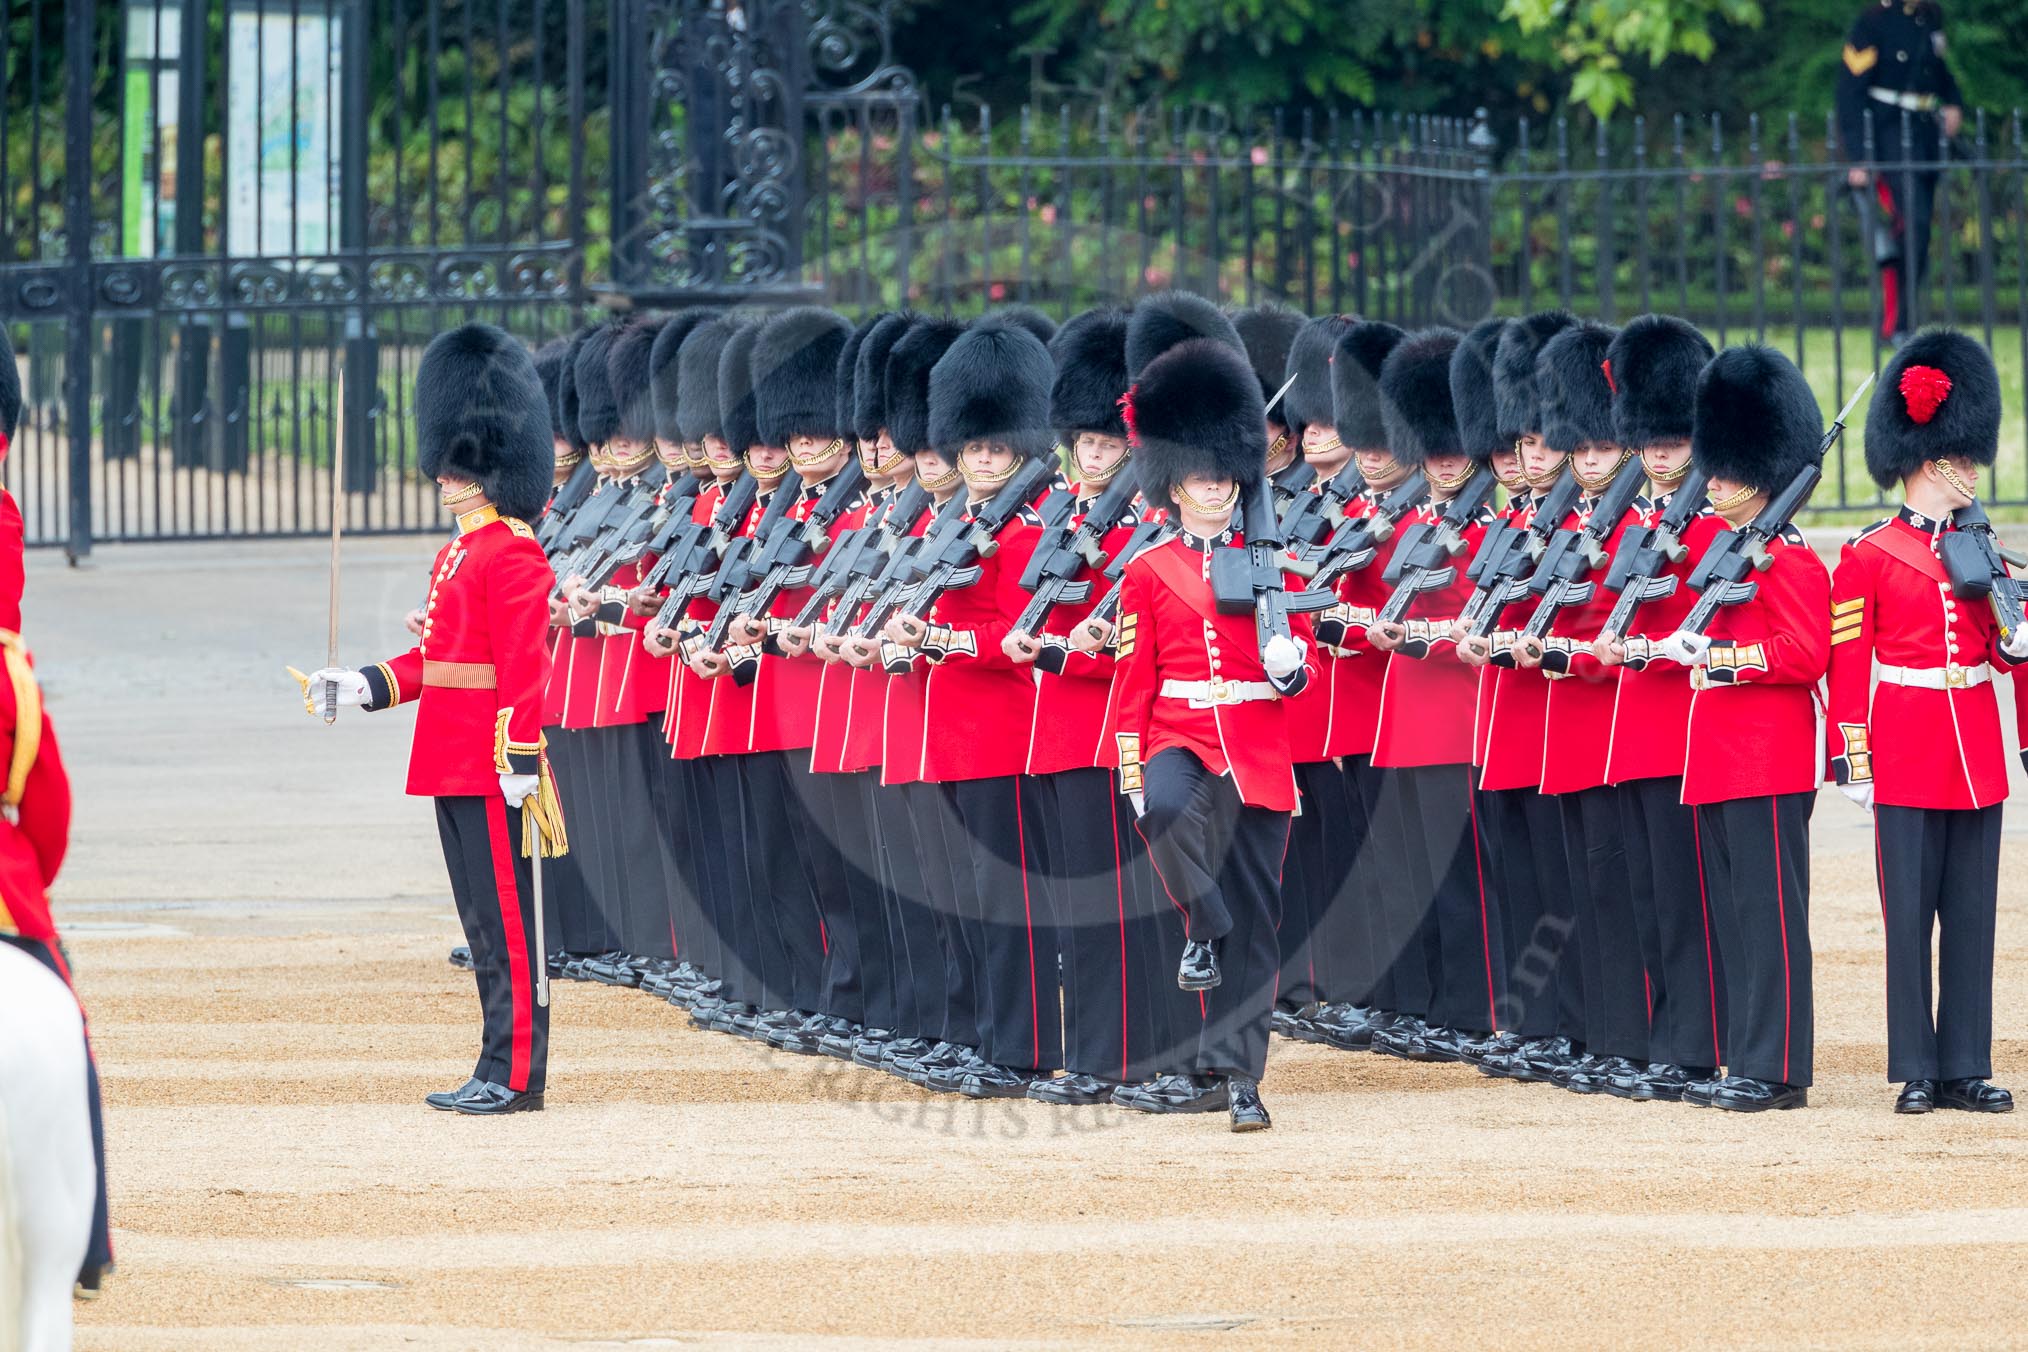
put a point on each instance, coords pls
(48, 1184)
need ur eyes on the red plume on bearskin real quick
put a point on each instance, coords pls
(1924, 388)
(1128, 416)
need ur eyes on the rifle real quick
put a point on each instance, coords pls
(736, 566)
(586, 535)
(1294, 482)
(633, 523)
(1249, 577)
(1503, 575)
(1720, 577)
(695, 549)
(1422, 561)
(865, 570)
(1311, 518)
(569, 496)
(952, 561)
(783, 560)
(896, 584)
(1065, 551)
(1352, 544)
(1976, 563)
(632, 542)
(1146, 536)
(1562, 579)
(1640, 570)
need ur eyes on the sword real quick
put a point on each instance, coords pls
(530, 823)
(337, 527)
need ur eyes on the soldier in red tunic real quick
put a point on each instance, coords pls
(1923, 748)
(477, 677)
(1198, 716)
(13, 560)
(989, 412)
(1655, 362)
(1752, 760)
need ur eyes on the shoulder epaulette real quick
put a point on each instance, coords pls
(519, 527)
(1869, 530)
(1790, 535)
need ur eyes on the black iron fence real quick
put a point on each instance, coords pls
(207, 209)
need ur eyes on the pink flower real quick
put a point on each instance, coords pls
(1260, 156)
(1048, 214)
(998, 291)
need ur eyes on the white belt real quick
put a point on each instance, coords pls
(1209, 694)
(1903, 98)
(1952, 677)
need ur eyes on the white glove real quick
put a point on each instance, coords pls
(1860, 793)
(1283, 656)
(1684, 647)
(517, 789)
(2017, 646)
(350, 684)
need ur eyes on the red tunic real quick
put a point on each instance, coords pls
(1429, 704)
(1921, 747)
(1074, 689)
(729, 726)
(978, 705)
(835, 685)
(488, 606)
(1510, 735)
(13, 559)
(785, 688)
(1577, 722)
(901, 712)
(1357, 673)
(1651, 716)
(1171, 629)
(1753, 716)
(32, 845)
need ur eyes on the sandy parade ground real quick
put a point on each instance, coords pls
(259, 921)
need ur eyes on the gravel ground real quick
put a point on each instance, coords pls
(259, 920)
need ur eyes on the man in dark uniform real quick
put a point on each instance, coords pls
(1897, 106)
(1198, 713)
(477, 674)
(1923, 748)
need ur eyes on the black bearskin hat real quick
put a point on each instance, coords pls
(1938, 398)
(869, 375)
(846, 380)
(1027, 317)
(1167, 318)
(906, 385)
(1576, 393)
(1654, 364)
(480, 414)
(697, 408)
(1309, 399)
(1267, 331)
(1415, 397)
(1196, 409)
(665, 371)
(10, 389)
(565, 412)
(993, 385)
(795, 374)
(737, 415)
(549, 364)
(1091, 373)
(628, 367)
(598, 410)
(1355, 383)
(1516, 403)
(1757, 421)
(1472, 390)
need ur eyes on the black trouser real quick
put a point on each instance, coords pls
(1530, 881)
(99, 1251)
(1757, 876)
(1446, 876)
(950, 996)
(491, 882)
(1686, 1011)
(696, 937)
(858, 969)
(1939, 872)
(1347, 935)
(1003, 910)
(651, 862)
(920, 990)
(1896, 209)
(1116, 1013)
(718, 818)
(1615, 981)
(606, 864)
(1221, 863)
(1404, 922)
(567, 880)
(1324, 839)
(782, 865)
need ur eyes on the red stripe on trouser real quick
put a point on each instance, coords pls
(1704, 905)
(1781, 912)
(1120, 903)
(1028, 919)
(1180, 908)
(1485, 921)
(508, 893)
